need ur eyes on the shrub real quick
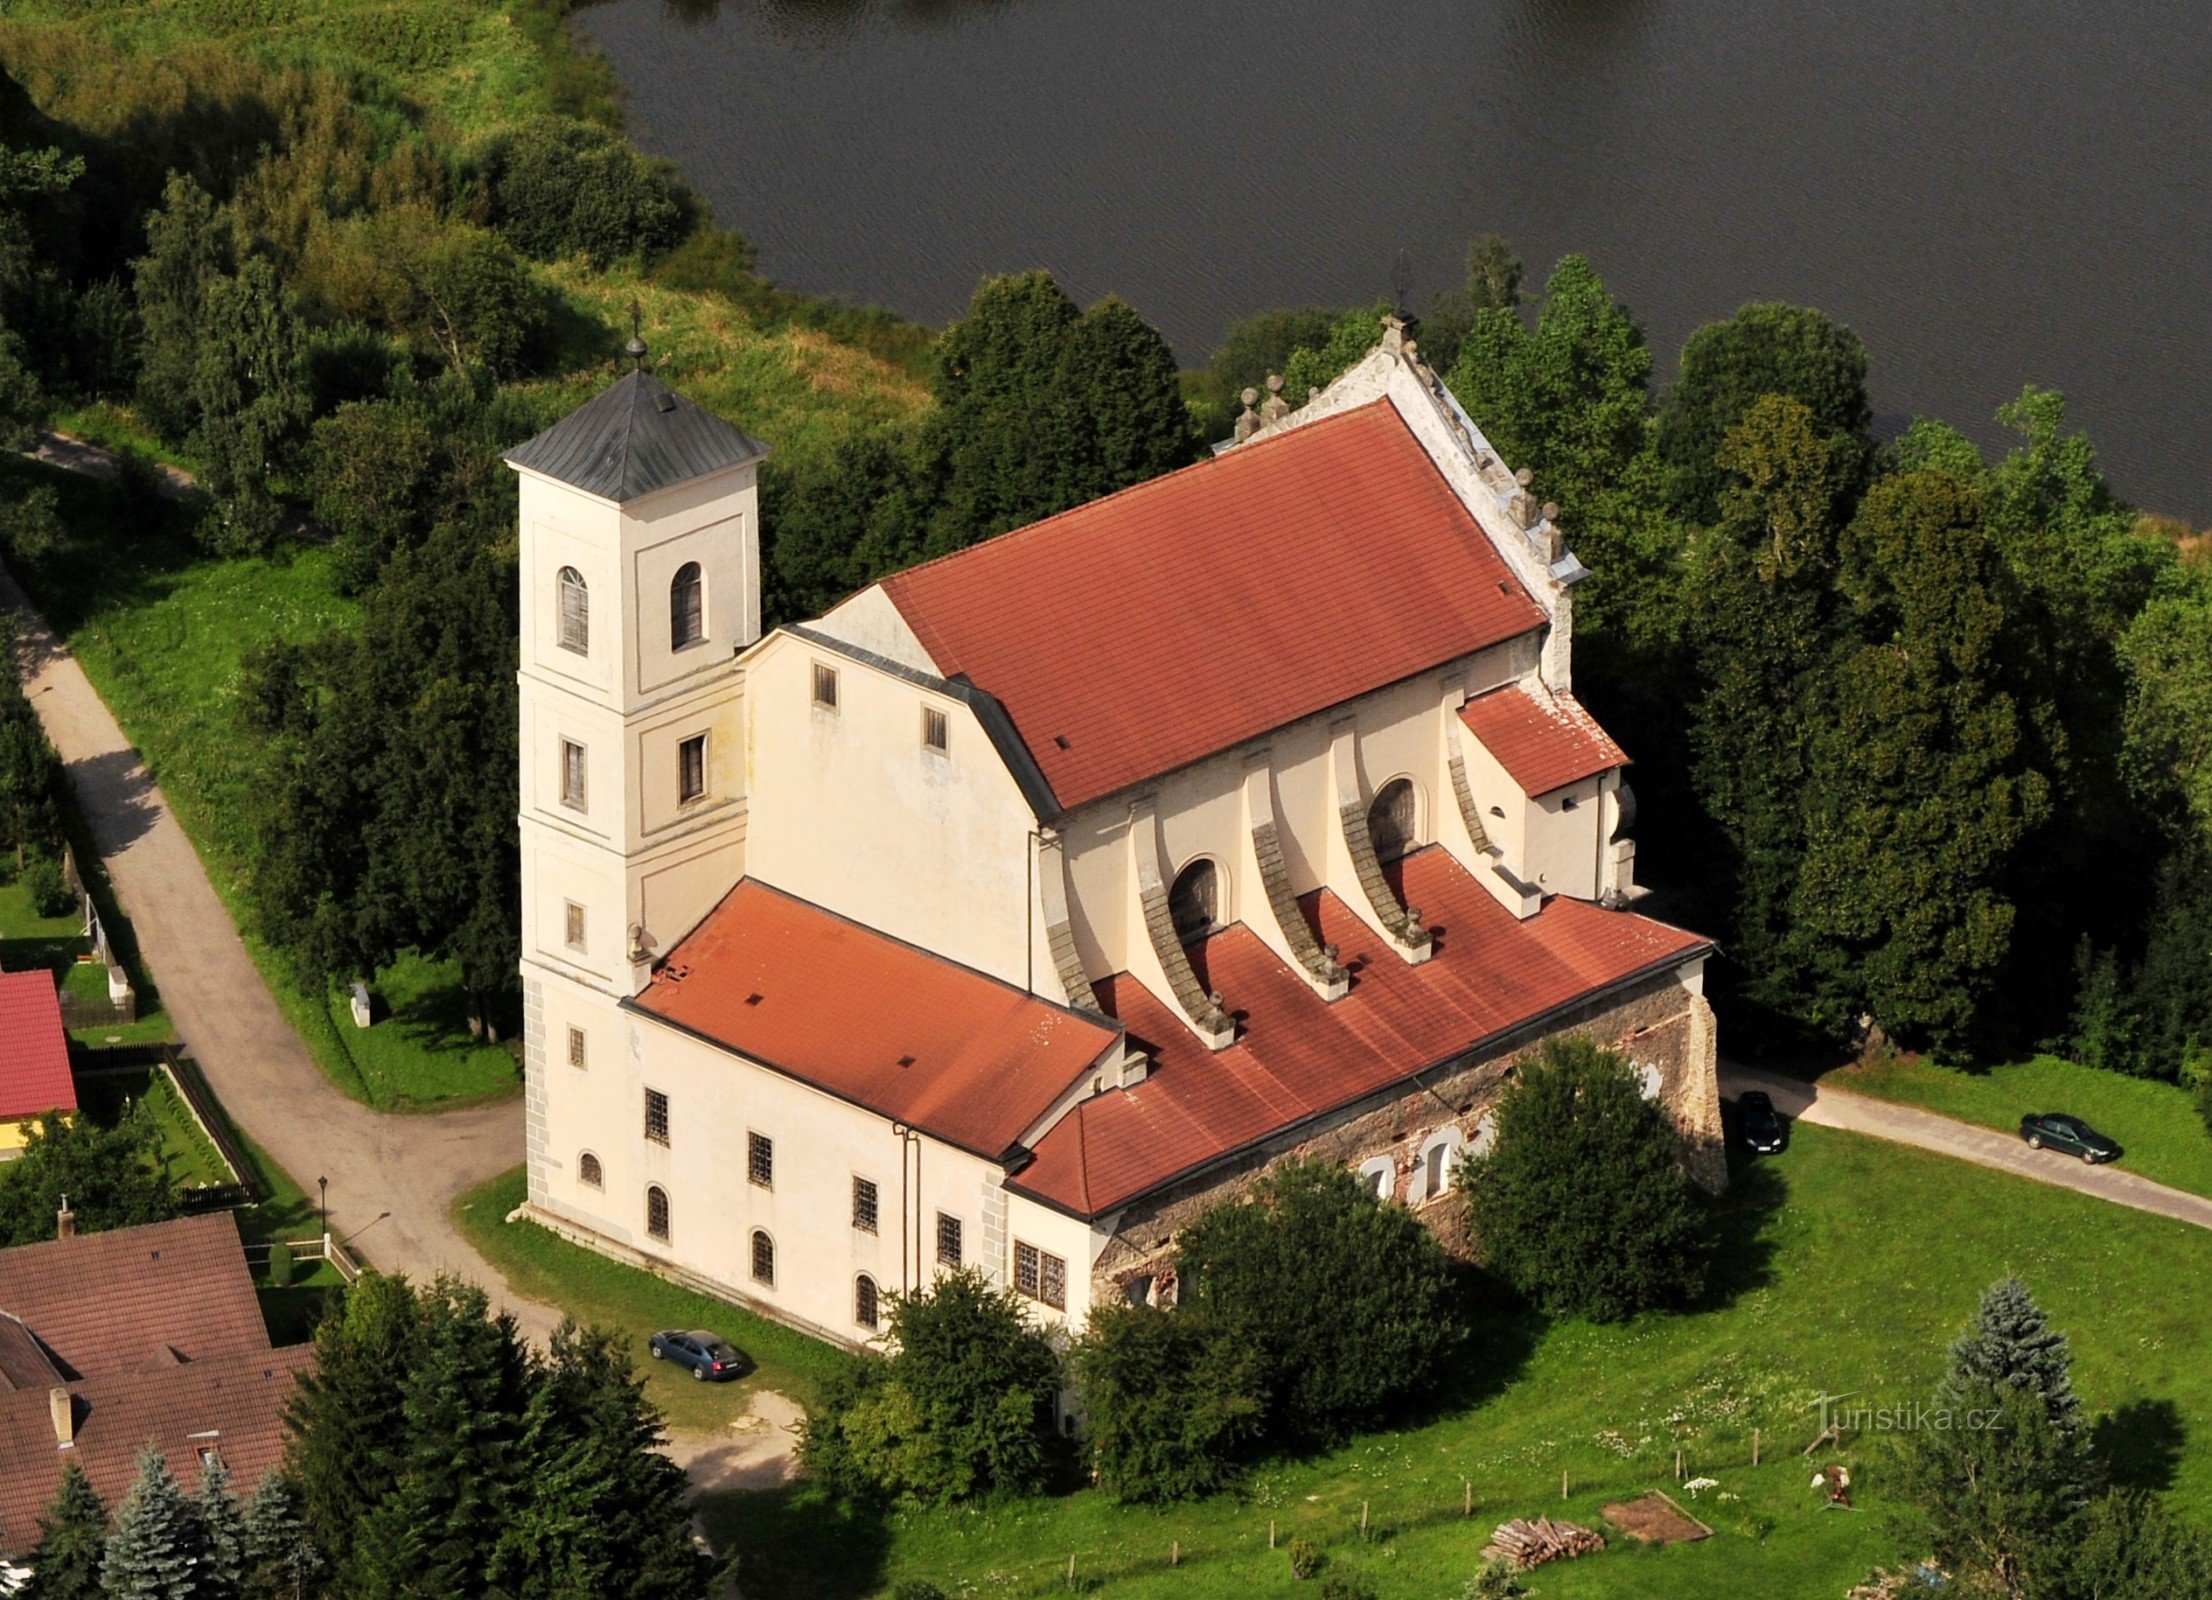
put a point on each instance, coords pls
(2204, 1100)
(280, 1264)
(560, 188)
(1305, 1559)
(916, 1589)
(1170, 1400)
(1346, 1586)
(1496, 1581)
(962, 1410)
(1582, 1205)
(1346, 1302)
(50, 893)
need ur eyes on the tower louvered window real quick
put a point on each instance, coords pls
(687, 610)
(575, 612)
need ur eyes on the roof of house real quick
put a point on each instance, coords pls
(34, 1052)
(633, 438)
(232, 1404)
(1543, 738)
(112, 1302)
(1140, 632)
(1298, 1056)
(874, 1020)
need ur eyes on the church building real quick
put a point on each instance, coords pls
(1035, 898)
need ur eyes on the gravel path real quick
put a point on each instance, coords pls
(1969, 1141)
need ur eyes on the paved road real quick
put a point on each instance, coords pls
(392, 1177)
(1988, 1147)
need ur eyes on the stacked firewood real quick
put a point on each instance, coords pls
(1526, 1544)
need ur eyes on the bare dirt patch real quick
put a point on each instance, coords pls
(1656, 1519)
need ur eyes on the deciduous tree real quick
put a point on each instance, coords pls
(1170, 1398)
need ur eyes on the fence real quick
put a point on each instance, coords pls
(324, 1248)
(184, 1076)
(95, 1011)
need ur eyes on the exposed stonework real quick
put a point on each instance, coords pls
(1403, 922)
(1267, 845)
(533, 1086)
(1663, 1026)
(1469, 812)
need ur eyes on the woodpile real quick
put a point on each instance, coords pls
(1524, 1544)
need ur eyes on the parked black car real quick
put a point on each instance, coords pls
(1760, 1123)
(711, 1359)
(2054, 1130)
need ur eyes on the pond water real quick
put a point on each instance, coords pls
(1991, 193)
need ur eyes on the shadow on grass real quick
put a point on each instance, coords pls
(2143, 1442)
(798, 1542)
(1743, 1251)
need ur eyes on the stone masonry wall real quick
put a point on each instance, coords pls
(1662, 1027)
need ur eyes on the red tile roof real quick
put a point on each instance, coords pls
(111, 1302)
(874, 1020)
(1297, 1056)
(232, 1404)
(1544, 740)
(1143, 631)
(34, 1052)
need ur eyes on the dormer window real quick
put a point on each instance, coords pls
(687, 608)
(575, 612)
(1194, 903)
(1392, 820)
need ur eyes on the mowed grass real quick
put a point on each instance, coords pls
(544, 1266)
(2160, 1132)
(1849, 1266)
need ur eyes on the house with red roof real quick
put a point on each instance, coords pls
(1034, 898)
(34, 1057)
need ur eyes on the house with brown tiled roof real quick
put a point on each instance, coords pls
(113, 1341)
(34, 1056)
(1033, 898)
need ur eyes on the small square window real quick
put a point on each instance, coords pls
(576, 1047)
(656, 1116)
(691, 769)
(936, 730)
(575, 928)
(948, 1240)
(825, 687)
(573, 776)
(864, 1205)
(760, 1159)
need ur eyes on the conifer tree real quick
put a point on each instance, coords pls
(158, 1547)
(72, 1541)
(282, 1562)
(2012, 1343)
(223, 1530)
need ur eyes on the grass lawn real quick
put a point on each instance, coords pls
(1850, 1264)
(192, 1161)
(547, 1267)
(2160, 1133)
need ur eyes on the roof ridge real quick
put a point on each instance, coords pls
(1129, 490)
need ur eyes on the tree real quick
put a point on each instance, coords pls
(1728, 367)
(188, 246)
(997, 413)
(1170, 1399)
(347, 1414)
(2129, 1547)
(1581, 1203)
(72, 1542)
(838, 523)
(31, 774)
(1316, 366)
(1252, 348)
(1919, 784)
(225, 1553)
(112, 1177)
(249, 396)
(961, 1410)
(158, 1547)
(559, 187)
(2007, 1467)
(1493, 283)
(1120, 411)
(1347, 1301)
(606, 1518)
(282, 1562)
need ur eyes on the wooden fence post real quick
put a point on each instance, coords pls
(1071, 1570)
(1562, 1483)
(1467, 1497)
(1678, 1464)
(1175, 1554)
(1363, 1519)
(1754, 1446)
(1270, 1533)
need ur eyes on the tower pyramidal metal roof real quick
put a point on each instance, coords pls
(634, 438)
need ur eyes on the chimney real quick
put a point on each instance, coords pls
(65, 1221)
(63, 1406)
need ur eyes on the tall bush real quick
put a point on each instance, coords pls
(1170, 1398)
(559, 188)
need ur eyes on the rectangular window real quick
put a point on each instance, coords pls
(576, 1047)
(575, 928)
(656, 1116)
(825, 687)
(1041, 1275)
(691, 768)
(573, 793)
(760, 1159)
(864, 1205)
(936, 730)
(948, 1240)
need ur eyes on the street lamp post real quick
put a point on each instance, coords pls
(322, 1185)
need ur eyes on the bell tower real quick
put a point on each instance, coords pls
(640, 571)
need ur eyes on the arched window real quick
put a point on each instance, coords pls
(865, 1311)
(1391, 821)
(656, 1213)
(764, 1258)
(1195, 901)
(1380, 1175)
(587, 1168)
(575, 612)
(687, 608)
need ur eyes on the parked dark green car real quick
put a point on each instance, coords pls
(2054, 1130)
